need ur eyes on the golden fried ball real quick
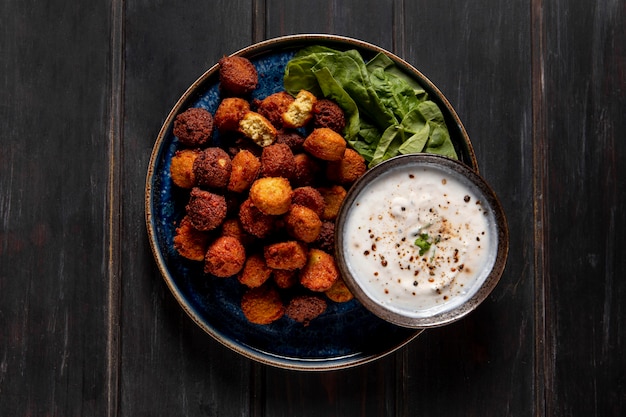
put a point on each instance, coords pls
(262, 305)
(181, 168)
(348, 169)
(245, 169)
(320, 271)
(189, 242)
(288, 255)
(326, 144)
(271, 195)
(225, 257)
(255, 271)
(302, 223)
(229, 113)
(339, 292)
(273, 107)
(333, 197)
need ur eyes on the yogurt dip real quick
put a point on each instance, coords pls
(419, 240)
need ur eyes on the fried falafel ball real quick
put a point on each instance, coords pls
(271, 195)
(320, 271)
(326, 144)
(212, 168)
(277, 160)
(194, 127)
(273, 106)
(333, 197)
(229, 113)
(258, 129)
(339, 292)
(307, 170)
(262, 305)
(290, 255)
(308, 196)
(326, 113)
(225, 257)
(304, 308)
(302, 223)
(254, 221)
(238, 76)
(181, 168)
(291, 138)
(326, 238)
(255, 271)
(300, 111)
(348, 169)
(189, 242)
(284, 278)
(245, 169)
(206, 210)
(232, 227)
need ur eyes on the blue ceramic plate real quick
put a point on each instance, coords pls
(346, 334)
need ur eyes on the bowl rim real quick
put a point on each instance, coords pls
(486, 287)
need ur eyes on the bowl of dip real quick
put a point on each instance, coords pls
(423, 240)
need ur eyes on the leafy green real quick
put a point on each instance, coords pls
(388, 112)
(423, 243)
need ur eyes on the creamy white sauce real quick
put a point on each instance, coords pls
(432, 206)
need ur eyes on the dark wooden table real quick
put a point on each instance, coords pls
(88, 326)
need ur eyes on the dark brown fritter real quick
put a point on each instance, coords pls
(262, 305)
(325, 144)
(326, 237)
(238, 76)
(320, 271)
(291, 138)
(229, 113)
(307, 170)
(255, 271)
(348, 169)
(308, 196)
(277, 160)
(189, 242)
(304, 308)
(302, 223)
(253, 221)
(326, 113)
(206, 210)
(245, 169)
(194, 127)
(225, 257)
(288, 255)
(212, 168)
(181, 168)
(273, 107)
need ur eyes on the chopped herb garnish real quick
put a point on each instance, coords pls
(423, 243)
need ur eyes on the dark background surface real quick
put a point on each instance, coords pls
(89, 328)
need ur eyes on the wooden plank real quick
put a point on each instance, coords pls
(169, 366)
(53, 234)
(585, 104)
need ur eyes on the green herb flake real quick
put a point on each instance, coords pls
(423, 243)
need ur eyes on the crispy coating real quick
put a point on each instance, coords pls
(194, 127)
(212, 168)
(181, 168)
(284, 278)
(326, 113)
(232, 227)
(245, 169)
(189, 242)
(206, 210)
(326, 238)
(238, 76)
(339, 292)
(253, 221)
(229, 113)
(262, 305)
(300, 111)
(255, 271)
(304, 308)
(333, 197)
(277, 160)
(288, 255)
(302, 223)
(307, 170)
(257, 128)
(291, 138)
(348, 169)
(325, 144)
(271, 195)
(320, 271)
(225, 257)
(273, 106)
(308, 196)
